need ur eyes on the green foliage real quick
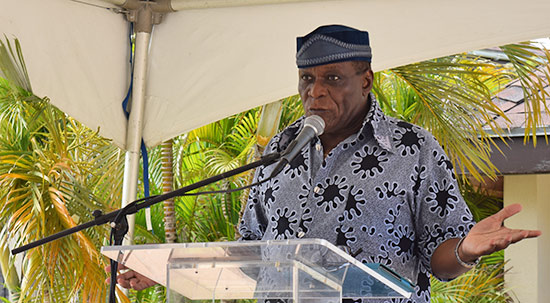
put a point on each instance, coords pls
(485, 283)
(292, 110)
(480, 202)
(47, 180)
(50, 166)
(531, 65)
(450, 97)
(12, 65)
(207, 151)
(150, 295)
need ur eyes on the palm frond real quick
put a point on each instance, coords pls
(480, 203)
(12, 64)
(485, 283)
(448, 97)
(292, 110)
(45, 189)
(532, 66)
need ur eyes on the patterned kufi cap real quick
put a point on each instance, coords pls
(332, 43)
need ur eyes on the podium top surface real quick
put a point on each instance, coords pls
(308, 268)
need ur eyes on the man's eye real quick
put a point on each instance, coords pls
(333, 78)
(306, 78)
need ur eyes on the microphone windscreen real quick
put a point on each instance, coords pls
(315, 122)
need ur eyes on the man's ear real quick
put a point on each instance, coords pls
(368, 79)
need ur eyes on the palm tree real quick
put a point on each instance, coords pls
(45, 178)
(50, 169)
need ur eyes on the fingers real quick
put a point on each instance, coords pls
(520, 234)
(141, 284)
(128, 280)
(122, 278)
(513, 236)
(128, 275)
(498, 244)
(507, 212)
(119, 267)
(135, 281)
(123, 282)
(507, 240)
(533, 233)
(490, 235)
(131, 279)
(488, 243)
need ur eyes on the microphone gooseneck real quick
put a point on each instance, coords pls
(313, 126)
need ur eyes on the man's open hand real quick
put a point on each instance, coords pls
(490, 235)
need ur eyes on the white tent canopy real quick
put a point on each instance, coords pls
(206, 64)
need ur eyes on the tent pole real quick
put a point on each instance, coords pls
(135, 121)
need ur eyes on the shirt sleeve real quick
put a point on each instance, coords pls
(254, 220)
(441, 212)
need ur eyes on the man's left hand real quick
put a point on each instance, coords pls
(490, 235)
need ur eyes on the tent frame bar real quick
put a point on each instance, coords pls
(144, 19)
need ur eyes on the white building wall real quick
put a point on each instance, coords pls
(528, 264)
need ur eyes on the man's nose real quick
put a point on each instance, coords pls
(317, 89)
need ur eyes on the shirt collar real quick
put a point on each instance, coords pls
(375, 125)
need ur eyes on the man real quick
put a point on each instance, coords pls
(382, 187)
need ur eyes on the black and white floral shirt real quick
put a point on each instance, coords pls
(388, 192)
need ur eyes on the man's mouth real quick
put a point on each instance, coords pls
(317, 110)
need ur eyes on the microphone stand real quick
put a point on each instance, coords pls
(119, 224)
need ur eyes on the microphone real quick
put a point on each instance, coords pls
(313, 126)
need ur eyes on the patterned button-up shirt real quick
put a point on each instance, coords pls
(387, 192)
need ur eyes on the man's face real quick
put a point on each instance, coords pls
(337, 93)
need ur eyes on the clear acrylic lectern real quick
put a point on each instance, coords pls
(304, 270)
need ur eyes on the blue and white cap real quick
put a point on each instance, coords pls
(331, 44)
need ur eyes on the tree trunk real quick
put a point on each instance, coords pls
(170, 233)
(167, 186)
(269, 123)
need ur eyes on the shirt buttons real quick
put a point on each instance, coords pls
(317, 189)
(301, 234)
(318, 146)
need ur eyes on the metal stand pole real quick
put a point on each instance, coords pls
(135, 122)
